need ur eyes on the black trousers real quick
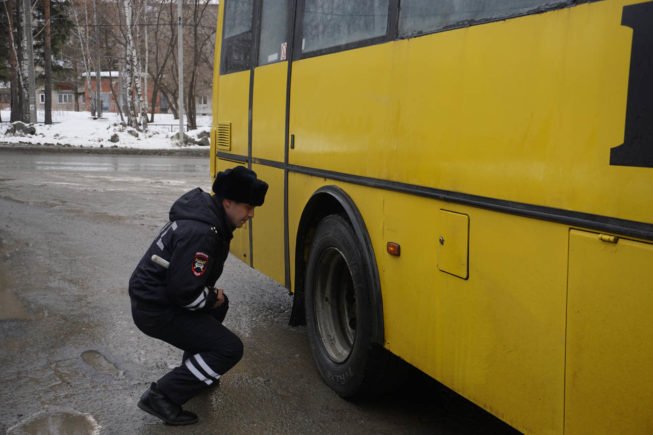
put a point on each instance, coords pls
(210, 349)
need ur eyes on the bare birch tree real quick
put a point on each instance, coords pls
(161, 49)
(48, 62)
(81, 34)
(137, 115)
(12, 9)
(200, 20)
(202, 35)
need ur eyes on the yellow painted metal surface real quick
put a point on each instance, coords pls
(343, 112)
(609, 386)
(268, 141)
(215, 96)
(269, 112)
(524, 110)
(453, 244)
(302, 188)
(223, 136)
(233, 108)
(240, 243)
(497, 338)
(267, 226)
(513, 110)
(520, 109)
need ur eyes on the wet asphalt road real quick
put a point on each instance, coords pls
(72, 227)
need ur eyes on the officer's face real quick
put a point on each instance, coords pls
(238, 212)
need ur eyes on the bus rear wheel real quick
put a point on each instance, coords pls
(339, 308)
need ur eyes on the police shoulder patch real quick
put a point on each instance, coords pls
(199, 263)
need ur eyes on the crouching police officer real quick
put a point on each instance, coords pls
(173, 290)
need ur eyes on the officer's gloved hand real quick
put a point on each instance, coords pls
(221, 306)
(220, 297)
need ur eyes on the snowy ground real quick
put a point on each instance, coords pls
(79, 129)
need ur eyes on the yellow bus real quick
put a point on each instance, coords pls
(465, 184)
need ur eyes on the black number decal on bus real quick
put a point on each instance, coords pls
(637, 149)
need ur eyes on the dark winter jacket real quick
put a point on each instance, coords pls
(196, 243)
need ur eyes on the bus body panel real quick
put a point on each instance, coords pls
(233, 109)
(269, 112)
(267, 226)
(522, 120)
(239, 246)
(609, 386)
(522, 113)
(268, 143)
(357, 112)
(303, 188)
(496, 337)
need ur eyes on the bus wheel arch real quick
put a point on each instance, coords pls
(326, 201)
(335, 262)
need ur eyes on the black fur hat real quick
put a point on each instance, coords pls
(241, 185)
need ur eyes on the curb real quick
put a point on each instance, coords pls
(184, 152)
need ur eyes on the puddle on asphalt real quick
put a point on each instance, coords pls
(57, 423)
(100, 363)
(11, 308)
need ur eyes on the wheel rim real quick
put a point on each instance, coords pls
(335, 305)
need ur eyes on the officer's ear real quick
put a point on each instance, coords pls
(227, 203)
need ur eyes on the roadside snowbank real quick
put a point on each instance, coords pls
(79, 129)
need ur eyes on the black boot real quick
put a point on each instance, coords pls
(155, 403)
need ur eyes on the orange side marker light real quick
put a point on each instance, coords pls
(393, 249)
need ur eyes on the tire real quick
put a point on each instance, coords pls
(339, 309)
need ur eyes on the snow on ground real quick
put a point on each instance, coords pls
(81, 130)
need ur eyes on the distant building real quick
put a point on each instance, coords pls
(110, 91)
(110, 94)
(63, 97)
(5, 95)
(203, 105)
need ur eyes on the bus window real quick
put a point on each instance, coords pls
(237, 39)
(274, 32)
(329, 24)
(425, 16)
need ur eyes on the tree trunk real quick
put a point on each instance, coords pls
(147, 72)
(115, 98)
(15, 56)
(48, 62)
(198, 41)
(171, 97)
(155, 95)
(136, 116)
(29, 84)
(124, 92)
(160, 64)
(23, 59)
(76, 84)
(98, 69)
(128, 85)
(82, 35)
(191, 112)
